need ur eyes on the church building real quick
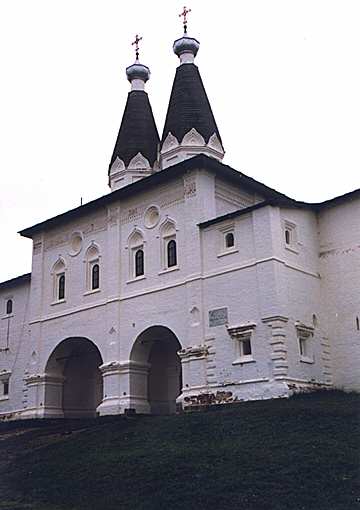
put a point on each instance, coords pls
(189, 284)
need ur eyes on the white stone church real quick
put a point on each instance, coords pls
(189, 284)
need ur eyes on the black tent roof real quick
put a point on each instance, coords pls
(138, 132)
(189, 106)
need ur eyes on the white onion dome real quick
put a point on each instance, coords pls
(186, 45)
(138, 71)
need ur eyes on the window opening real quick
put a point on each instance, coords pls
(245, 347)
(61, 291)
(6, 388)
(9, 306)
(95, 277)
(139, 263)
(303, 346)
(171, 253)
(229, 240)
(357, 324)
(287, 236)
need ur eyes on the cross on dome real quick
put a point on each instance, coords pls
(136, 42)
(184, 15)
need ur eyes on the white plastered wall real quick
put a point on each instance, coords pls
(340, 270)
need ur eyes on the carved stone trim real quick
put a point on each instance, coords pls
(193, 139)
(195, 351)
(303, 330)
(170, 143)
(139, 162)
(117, 166)
(43, 378)
(241, 332)
(113, 367)
(278, 345)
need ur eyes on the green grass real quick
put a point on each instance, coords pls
(301, 453)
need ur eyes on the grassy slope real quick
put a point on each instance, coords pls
(301, 453)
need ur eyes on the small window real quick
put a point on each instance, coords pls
(290, 236)
(139, 263)
(95, 277)
(305, 340)
(61, 287)
(4, 386)
(287, 236)
(229, 240)
(357, 324)
(171, 253)
(303, 346)
(245, 347)
(9, 306)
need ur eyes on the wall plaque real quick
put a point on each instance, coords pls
(218, 317)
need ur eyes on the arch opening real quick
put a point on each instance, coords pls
(73, 381)
(157, 376)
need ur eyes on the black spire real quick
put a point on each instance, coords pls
(138, 132)
(189, 106)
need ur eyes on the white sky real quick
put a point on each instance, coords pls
(282, 76)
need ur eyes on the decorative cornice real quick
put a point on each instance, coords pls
(44, 378)
(241, 332)
(195, 351)
(275, 318)
(303, 329)
(112, 367)
(192, 139)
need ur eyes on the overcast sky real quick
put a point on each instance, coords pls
(283, 79)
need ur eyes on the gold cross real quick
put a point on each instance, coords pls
(184, 15)
(136, 42)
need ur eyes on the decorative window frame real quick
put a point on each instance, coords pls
(224, 231)
(168, 232)
(6, 315)
(292, 229)
(59, 269)
(5, 384)
(92, 257)
(305, 336)
(136, 241)
(241, 334)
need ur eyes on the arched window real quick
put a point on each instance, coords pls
(95, 277)
(61, 287)
(139, 263)
(171, 253)
(58, 273)
(9, 306)
(229, 240)
(136, 247)
(92, 259)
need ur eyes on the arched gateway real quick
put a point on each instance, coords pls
(157, 380)
(73, 382)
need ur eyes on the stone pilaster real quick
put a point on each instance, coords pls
(326, 360)
(194, 369)
(44, 396)
(125, 387)
(277, 325)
